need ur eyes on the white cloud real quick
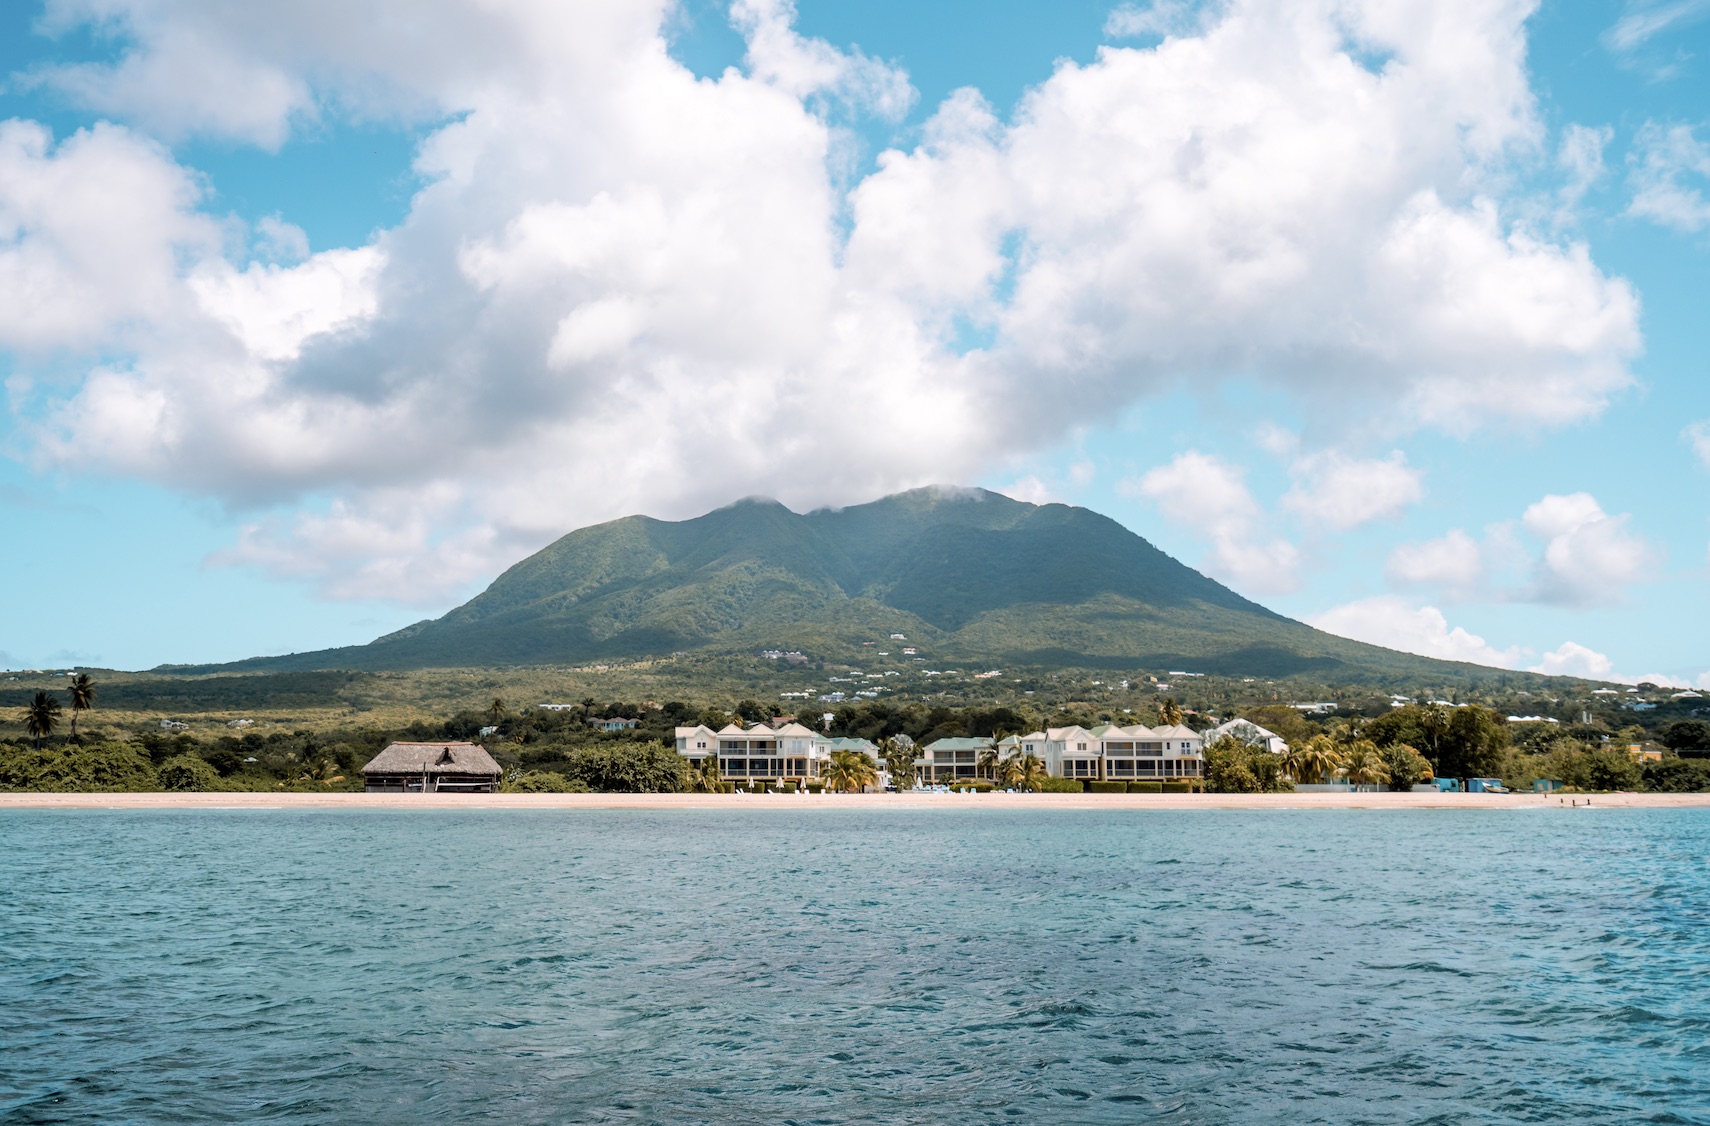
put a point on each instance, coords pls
(1397, 624)
(1589, 556)
(1580, 158)
(1571, 659)
(1161, 17)
(1454, 561)
(1210, 496)
(613, 260)
(1643, 20)
(1698, 434)
(1669, 166)
(1342, 492)
(1586, 557)
(83, 266)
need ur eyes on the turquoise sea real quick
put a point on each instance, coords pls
(879, 966)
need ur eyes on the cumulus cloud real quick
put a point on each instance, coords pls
(1589, 556)
(624, 288)
(1397, 624)
(1343, 492)
(1453, 561)
(1583, 557)
(1669, 169)
(1210, 496)
(1571, 659)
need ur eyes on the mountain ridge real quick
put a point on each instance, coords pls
(965, 573)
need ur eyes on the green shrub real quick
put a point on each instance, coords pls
(975, 785)
(1677, 775)
(188, 772)
(787, 787)
(543, 782)
(727, 787)
(1060, 786)
(1108, 787)
(1177, 787)
(1145, 787)
(628, 767)
(91, 768)
(816, 787)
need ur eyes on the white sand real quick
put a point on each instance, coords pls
(913, 801)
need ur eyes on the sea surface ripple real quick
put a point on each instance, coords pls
(855, 966)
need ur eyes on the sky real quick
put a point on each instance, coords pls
(315, 317)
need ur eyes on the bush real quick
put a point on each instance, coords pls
(1060, 786)
(188, 772)
(1093, 787)
(816, 787)
(787, 787)
(1677, 776)
(974, 785)
(628, 767)
(1611, 770)
(1178, 787)
(542, 782)
(1145, 787)
(95, 768)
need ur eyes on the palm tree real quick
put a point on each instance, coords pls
(1022, 771)
(850, 771)
(707, 776)
(1169, 712)
(990, 757)
(899, 761)
(496, 711)
(41, 717)
(1364, 765)
(82, 698)
(1313, 761)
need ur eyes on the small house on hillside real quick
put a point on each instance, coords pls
(426, 768)
(615, 723)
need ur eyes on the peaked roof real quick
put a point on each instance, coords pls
(433, 758)
(959, 744)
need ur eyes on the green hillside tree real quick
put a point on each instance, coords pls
(41, 717)
(82, 690)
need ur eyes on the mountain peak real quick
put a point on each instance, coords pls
(970, 575)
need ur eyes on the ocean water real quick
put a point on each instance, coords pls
(855, 966)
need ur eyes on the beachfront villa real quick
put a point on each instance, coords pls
(947, 760)
(791, 752)
(428, 768)
(1100, 754)
(1106, 753)
(761, 753)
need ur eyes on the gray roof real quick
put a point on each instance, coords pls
(433, 758)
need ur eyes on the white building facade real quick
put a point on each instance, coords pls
(1121, 754)
(759, 753)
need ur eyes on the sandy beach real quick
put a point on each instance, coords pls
(832, 802)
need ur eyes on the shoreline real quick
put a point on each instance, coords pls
(828, 802)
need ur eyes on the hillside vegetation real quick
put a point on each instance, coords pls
(967, 575)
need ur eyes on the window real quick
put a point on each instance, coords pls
(1080, 746)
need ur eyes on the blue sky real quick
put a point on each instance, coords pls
(1388, 316)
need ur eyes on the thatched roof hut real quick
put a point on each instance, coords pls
(432, 767)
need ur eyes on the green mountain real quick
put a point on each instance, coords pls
(965, 574)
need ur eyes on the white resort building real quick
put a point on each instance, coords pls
(1123, 754)
(759, 753)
